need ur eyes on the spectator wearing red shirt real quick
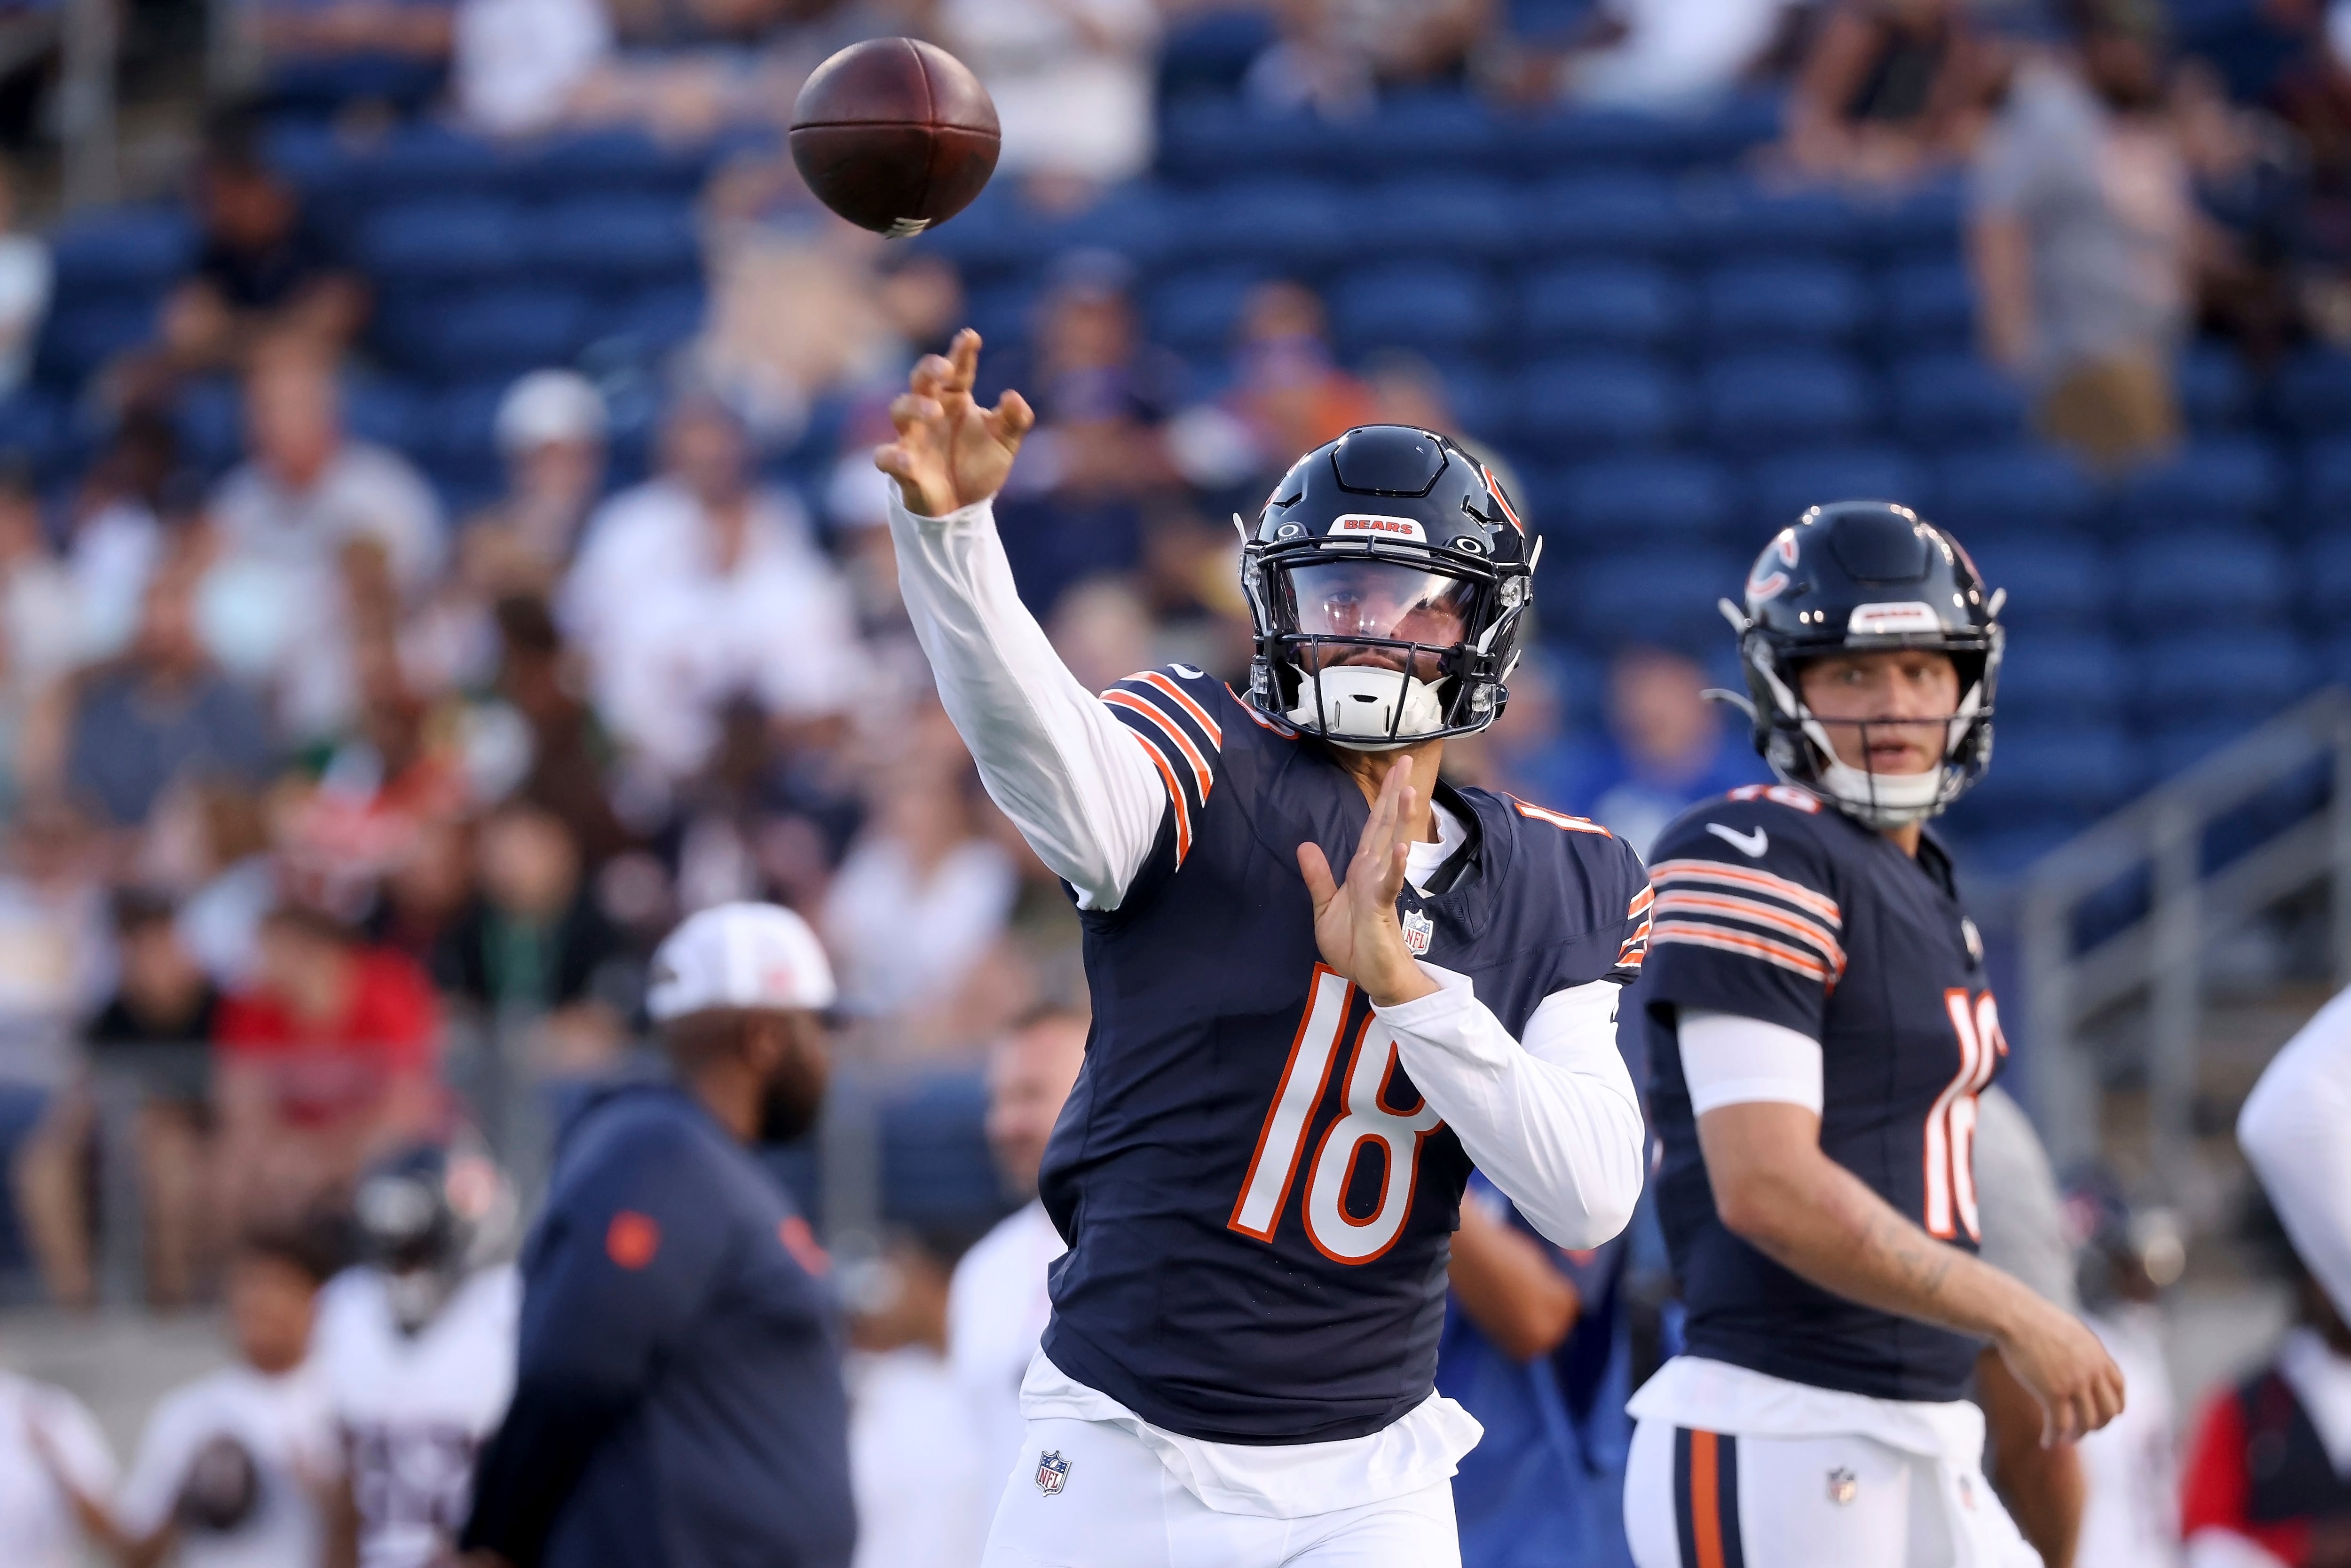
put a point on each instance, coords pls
(2267, 1479)
(327, 1061)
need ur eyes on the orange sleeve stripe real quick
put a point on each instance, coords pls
(1174, 795)
(1715, 872)
(1184, 700)
(1173, 731)
(1689, 935)
(1706, 906)
(1641, 901)
(1560, 820)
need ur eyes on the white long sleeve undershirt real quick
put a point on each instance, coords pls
(1553, 1122)
(2292, 1132)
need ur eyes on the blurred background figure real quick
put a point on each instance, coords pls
(415, 1346)
(1890, 90)
(27, 282)
(998, 1305)
(1666, 749)
(2083, 239)
(2128, 1257)
(54, 1458)
(551, 429)
(517, 66)
(924, 1494)
(1071, 80)
(230, 1466)
(325, 1063)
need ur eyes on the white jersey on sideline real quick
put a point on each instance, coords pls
(997, 1311)
(922, 1500)
(37, 1528)
(413, 1410)
(282, 1422)
(2131, 1517)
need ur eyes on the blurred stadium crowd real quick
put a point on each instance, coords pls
(440, 549)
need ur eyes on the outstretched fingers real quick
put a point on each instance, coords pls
(1010, 419)
(1320, 885)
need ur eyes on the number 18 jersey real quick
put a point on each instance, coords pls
(1258, 1204)
(1770, 906)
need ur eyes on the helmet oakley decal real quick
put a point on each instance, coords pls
(1892, 619)
(1368, 525)
(1762, 584)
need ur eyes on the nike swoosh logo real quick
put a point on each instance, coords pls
(1751, 845)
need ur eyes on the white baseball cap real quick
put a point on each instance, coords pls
(739, 956)
(550, 405)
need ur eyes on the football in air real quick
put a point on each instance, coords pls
(894, 134)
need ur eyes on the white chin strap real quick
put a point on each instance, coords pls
(1881, 800)
(1355, 707)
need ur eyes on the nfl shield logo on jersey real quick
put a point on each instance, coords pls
(1053, 1473)
(1418, 929)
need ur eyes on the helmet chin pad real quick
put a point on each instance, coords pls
(1355, 705)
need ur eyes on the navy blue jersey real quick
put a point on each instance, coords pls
(1769, 906)
(1258, 1202)
(678, 1401)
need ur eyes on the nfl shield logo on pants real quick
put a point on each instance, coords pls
(1053, 1473)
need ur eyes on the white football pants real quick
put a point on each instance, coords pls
(1119, 1507)
(1700, 1500)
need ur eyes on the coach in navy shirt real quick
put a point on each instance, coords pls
(678, 1401)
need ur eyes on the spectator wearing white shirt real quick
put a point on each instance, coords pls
(700, 586)
(27, 279)
(998, 1303)
(516, 64)
(923, 1494)
(1071, 79)
(231, 1467)
(52, 1456)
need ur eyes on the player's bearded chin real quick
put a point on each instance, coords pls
(793, 1093)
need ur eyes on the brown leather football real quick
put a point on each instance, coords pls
(894, 135)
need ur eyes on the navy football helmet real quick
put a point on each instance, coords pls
(427, 1216)
(1857, 577)
(1388, 579)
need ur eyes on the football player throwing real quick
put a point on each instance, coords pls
(1325, 983)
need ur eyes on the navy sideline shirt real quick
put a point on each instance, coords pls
(678, 1401)
(1770, 907)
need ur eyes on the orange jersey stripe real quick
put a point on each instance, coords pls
(1174, 795)
(1641, 901)
(1560, 820)
(1184, 700)
(1705, 905)
(1722, 876)
(1168, 727)
(1691, 934)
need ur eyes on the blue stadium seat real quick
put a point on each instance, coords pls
(2059, 677)
(2326, 480)
(1605, 138)
(602, 240)
(209, 417)
(1730, 214)
(1205, 141)
(1784, 485)
(2063, 770)
(501, 333)
(1003, 312)
(2054, 580)
(2252, 672)
(1941, 400)
(1194, 313)
(1634, 501)
(466, 240)
(658, 317)
(2207, 578)
(456, 432)
(2219, 479)
(1453, 215)
(1446, 132)
(32, 426)
(1599, 402)
(1207, 54)
(1654, 595)
(2177, 748)
(609, 163)
(1926, 305)
(1756, 303)
(1763, 402)
(2215, 388)
(79, 340)
(2022, 485)
(2313, 393)
(2325, 576)
(1611, 215)
(421, 159)
(134, 251)
(1282, 223)
(1602, 304)
(1919, 221)
(388, 412)
(1426, 306)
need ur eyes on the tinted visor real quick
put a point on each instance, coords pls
(1377, 601)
